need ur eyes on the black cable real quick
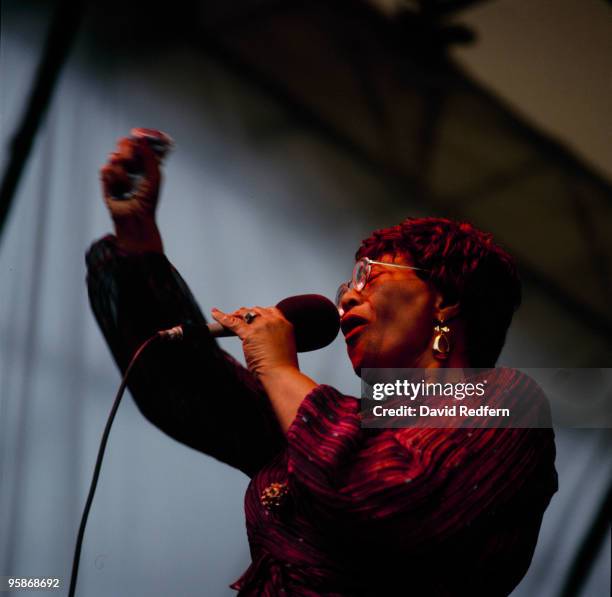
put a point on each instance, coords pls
(98, 466)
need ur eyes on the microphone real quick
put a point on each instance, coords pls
(315, 321)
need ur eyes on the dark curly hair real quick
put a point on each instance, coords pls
(467, 267)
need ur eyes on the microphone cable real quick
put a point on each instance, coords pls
(306, 312)
(173, 333)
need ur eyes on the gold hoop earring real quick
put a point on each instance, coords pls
(441, 343)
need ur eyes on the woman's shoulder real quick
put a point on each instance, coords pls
(518, 391)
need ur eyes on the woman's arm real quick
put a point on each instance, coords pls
(193, 391)
(286, 388)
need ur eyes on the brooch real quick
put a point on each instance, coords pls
(274, 495)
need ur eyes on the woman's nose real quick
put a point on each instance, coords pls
(350, 299)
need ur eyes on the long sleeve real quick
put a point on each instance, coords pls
(417, 491)
(192, 390)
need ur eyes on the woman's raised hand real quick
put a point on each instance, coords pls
(133, 216)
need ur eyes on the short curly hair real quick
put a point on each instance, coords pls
(467, 267)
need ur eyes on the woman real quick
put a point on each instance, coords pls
(333, 508)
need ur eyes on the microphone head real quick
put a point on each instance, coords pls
(315, 320)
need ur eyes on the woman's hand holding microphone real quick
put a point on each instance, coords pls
(267, 338)
(269, 349)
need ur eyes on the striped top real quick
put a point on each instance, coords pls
(333, 509)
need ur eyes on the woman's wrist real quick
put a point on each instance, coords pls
(286, 387)
(271, 376)
(138, 235)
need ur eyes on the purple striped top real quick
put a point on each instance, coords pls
(333, 509)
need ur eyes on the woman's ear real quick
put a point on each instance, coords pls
(444, 309)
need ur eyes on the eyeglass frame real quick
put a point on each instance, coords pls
(354, 283)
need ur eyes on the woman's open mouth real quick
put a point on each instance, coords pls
(354, 333)
(352, 326)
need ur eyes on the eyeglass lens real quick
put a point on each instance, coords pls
(358, 281)
(342, 290)
(360, 274)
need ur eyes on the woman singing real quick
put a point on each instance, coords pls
(334, 508)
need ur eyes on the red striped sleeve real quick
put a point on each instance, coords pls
(415, 487)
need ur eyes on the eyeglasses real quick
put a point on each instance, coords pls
(361, 275)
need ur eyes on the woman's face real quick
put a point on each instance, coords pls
(390, 322)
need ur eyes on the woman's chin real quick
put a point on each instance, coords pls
(360, 360)
(356, 358)
(362, 353)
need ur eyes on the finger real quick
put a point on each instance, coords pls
(263, 313)
(123, 161)
(244, 310)
(148, 188)
(126, 148)
(112, 172)
(273, 313)
(257, 309)
(277, 312)
(150, 161)
(132, 157)
(125, 155)
(229, 321)
(136, 154)
(115, 180)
